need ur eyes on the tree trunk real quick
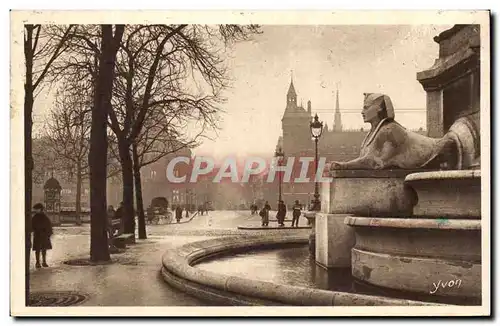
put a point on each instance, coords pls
(78, 199)
(28, 179)
(28, 158)
(128, 186)
(99, 250)
(138, 194)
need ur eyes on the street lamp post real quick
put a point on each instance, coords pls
(279, 154)
(316, 131)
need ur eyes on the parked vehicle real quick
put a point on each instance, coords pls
(158, 211)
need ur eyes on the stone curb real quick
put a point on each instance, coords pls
(452, 175)
(260, 228)
(178, 264)
(414, 223)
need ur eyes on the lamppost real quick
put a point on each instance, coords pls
(280, 155)
(316, 130)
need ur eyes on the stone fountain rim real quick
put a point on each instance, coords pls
(444, 175)
(180, 262)
(373, 173)
(414, 223)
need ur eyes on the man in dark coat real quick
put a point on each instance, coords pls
(178, 213)
(264, 213)
(280, 216)
(297, 210)
(42, 231)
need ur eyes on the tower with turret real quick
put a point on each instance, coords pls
(335, 144)
(295, 124)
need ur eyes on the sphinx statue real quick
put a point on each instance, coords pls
(389, 145)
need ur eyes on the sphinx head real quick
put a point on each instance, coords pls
(377, 107)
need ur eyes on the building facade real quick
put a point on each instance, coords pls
(335, 144)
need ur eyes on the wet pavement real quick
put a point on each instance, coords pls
(133, 278)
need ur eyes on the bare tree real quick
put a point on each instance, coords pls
(110, 43)
(138, 63)
(40, 52)
(162, 135)
(68, 132)
(158, 65)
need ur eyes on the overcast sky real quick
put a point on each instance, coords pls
(359, 58)
(366, 58)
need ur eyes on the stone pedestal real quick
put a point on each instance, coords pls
(334, 241)
(447, 194)
(453, 82)
(370, 193)
(428, 256)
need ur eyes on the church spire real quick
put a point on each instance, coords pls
(291, 96)
(291, 89)
(337, 125)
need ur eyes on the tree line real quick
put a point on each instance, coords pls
(125, 97)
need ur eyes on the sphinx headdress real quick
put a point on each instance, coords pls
(380, 99)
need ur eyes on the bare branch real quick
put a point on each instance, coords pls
(57, 52)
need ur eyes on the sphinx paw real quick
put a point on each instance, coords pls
(335, 166)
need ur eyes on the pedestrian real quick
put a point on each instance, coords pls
(205, 207)
(178, 213)
(296, 213)
(265, 214)
(42, 231)
(280, 216)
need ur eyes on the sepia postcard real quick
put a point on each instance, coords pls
(238, 163)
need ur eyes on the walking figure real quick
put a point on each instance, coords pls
(296, 213)
(178, 213)
(264, 214)
(42, 231)
(280, 216)
(253, 208)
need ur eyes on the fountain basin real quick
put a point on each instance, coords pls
(178, 271)
(413, 254)
(447, 194)
(369, 193)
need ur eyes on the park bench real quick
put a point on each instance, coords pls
(119, 239)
